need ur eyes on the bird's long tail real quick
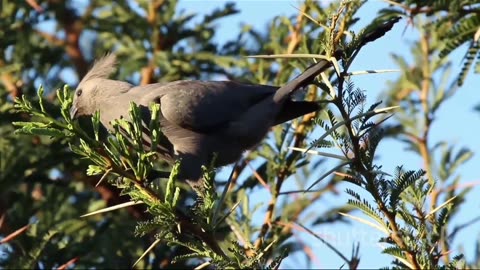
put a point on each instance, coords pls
(302, 80)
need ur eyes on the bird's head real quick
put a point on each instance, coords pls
(95, 86)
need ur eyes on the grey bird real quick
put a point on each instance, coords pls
(199, 118)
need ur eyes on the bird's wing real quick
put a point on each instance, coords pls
(205, 106)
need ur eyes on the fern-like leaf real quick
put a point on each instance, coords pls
(367, 209)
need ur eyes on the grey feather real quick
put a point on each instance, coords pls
(102, 68)
(199, 118)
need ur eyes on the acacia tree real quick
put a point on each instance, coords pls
(43, 180)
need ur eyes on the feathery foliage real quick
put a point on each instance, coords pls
(53, 169)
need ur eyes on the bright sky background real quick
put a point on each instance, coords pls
(456, 123)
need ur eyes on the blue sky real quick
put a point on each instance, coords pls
(456, 123)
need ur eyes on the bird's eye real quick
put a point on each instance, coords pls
(79, 92)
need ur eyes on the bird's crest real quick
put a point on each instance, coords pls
(102, 68)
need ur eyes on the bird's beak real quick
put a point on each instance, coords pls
(73, 112)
